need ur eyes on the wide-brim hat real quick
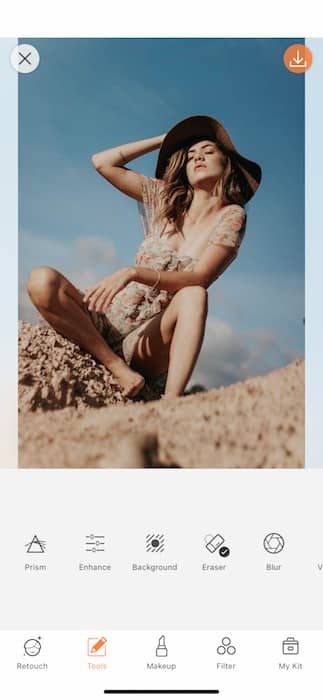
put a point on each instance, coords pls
(199, 127)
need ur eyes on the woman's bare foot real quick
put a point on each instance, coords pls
(130, 381)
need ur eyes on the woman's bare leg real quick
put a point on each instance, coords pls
(187, 338)
(173, 339)
(61, 304)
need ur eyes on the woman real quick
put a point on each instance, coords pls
(147, 321)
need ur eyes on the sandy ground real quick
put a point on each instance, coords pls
(72, 414)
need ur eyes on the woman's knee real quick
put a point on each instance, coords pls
(43, 284)
(195, 294)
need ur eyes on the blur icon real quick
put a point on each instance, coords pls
(274, 543)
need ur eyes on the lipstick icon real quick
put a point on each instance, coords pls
(97, 645)
(161, 647)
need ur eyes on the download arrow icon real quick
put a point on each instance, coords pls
(298, 59)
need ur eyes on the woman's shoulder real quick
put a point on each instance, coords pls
(230, 226)
(234, 215)
(234, 210)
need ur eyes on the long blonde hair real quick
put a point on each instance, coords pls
(177, 193)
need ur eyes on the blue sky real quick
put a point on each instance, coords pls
(91, 94)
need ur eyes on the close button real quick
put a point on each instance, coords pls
(24, 58)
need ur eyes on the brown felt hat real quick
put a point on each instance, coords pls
(199, 127)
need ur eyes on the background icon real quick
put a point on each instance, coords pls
(97, 646)
(155, 543)
(95, 543)
(36, 546)
(274, 543)
(32, 647)
(161, 647)
(24, 58)
(226, 647)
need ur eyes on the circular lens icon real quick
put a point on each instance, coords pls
(274, 543)
(24, 58)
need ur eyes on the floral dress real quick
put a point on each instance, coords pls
(125, 319)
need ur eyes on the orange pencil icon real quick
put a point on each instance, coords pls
(98, 645)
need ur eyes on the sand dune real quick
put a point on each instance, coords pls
(72, 414)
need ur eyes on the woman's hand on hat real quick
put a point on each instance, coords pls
(98, 297)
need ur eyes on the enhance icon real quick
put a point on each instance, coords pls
(95, 543)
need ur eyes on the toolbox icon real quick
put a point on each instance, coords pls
(290, 646)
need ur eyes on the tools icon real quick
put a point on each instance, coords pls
(155, 543)
(97, 646)
(161, 647)
(213, 544)
(36, 546)
(95, 543)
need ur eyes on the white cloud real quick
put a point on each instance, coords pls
(83, 261)
(227, 356)
(96, 250)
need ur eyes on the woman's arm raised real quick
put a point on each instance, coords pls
(110, 164)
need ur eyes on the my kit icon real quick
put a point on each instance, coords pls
(290, 646)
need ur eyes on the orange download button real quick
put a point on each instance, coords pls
(298, 58)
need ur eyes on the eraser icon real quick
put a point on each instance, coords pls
(161, 647)
(213, 542)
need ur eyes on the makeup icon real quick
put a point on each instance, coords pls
(161, 647)
(97, 646)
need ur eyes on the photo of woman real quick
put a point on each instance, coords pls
(147, 321)
(161, 255)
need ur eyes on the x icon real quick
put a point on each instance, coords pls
(24, 58)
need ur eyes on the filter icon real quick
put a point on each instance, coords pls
(161, 647)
